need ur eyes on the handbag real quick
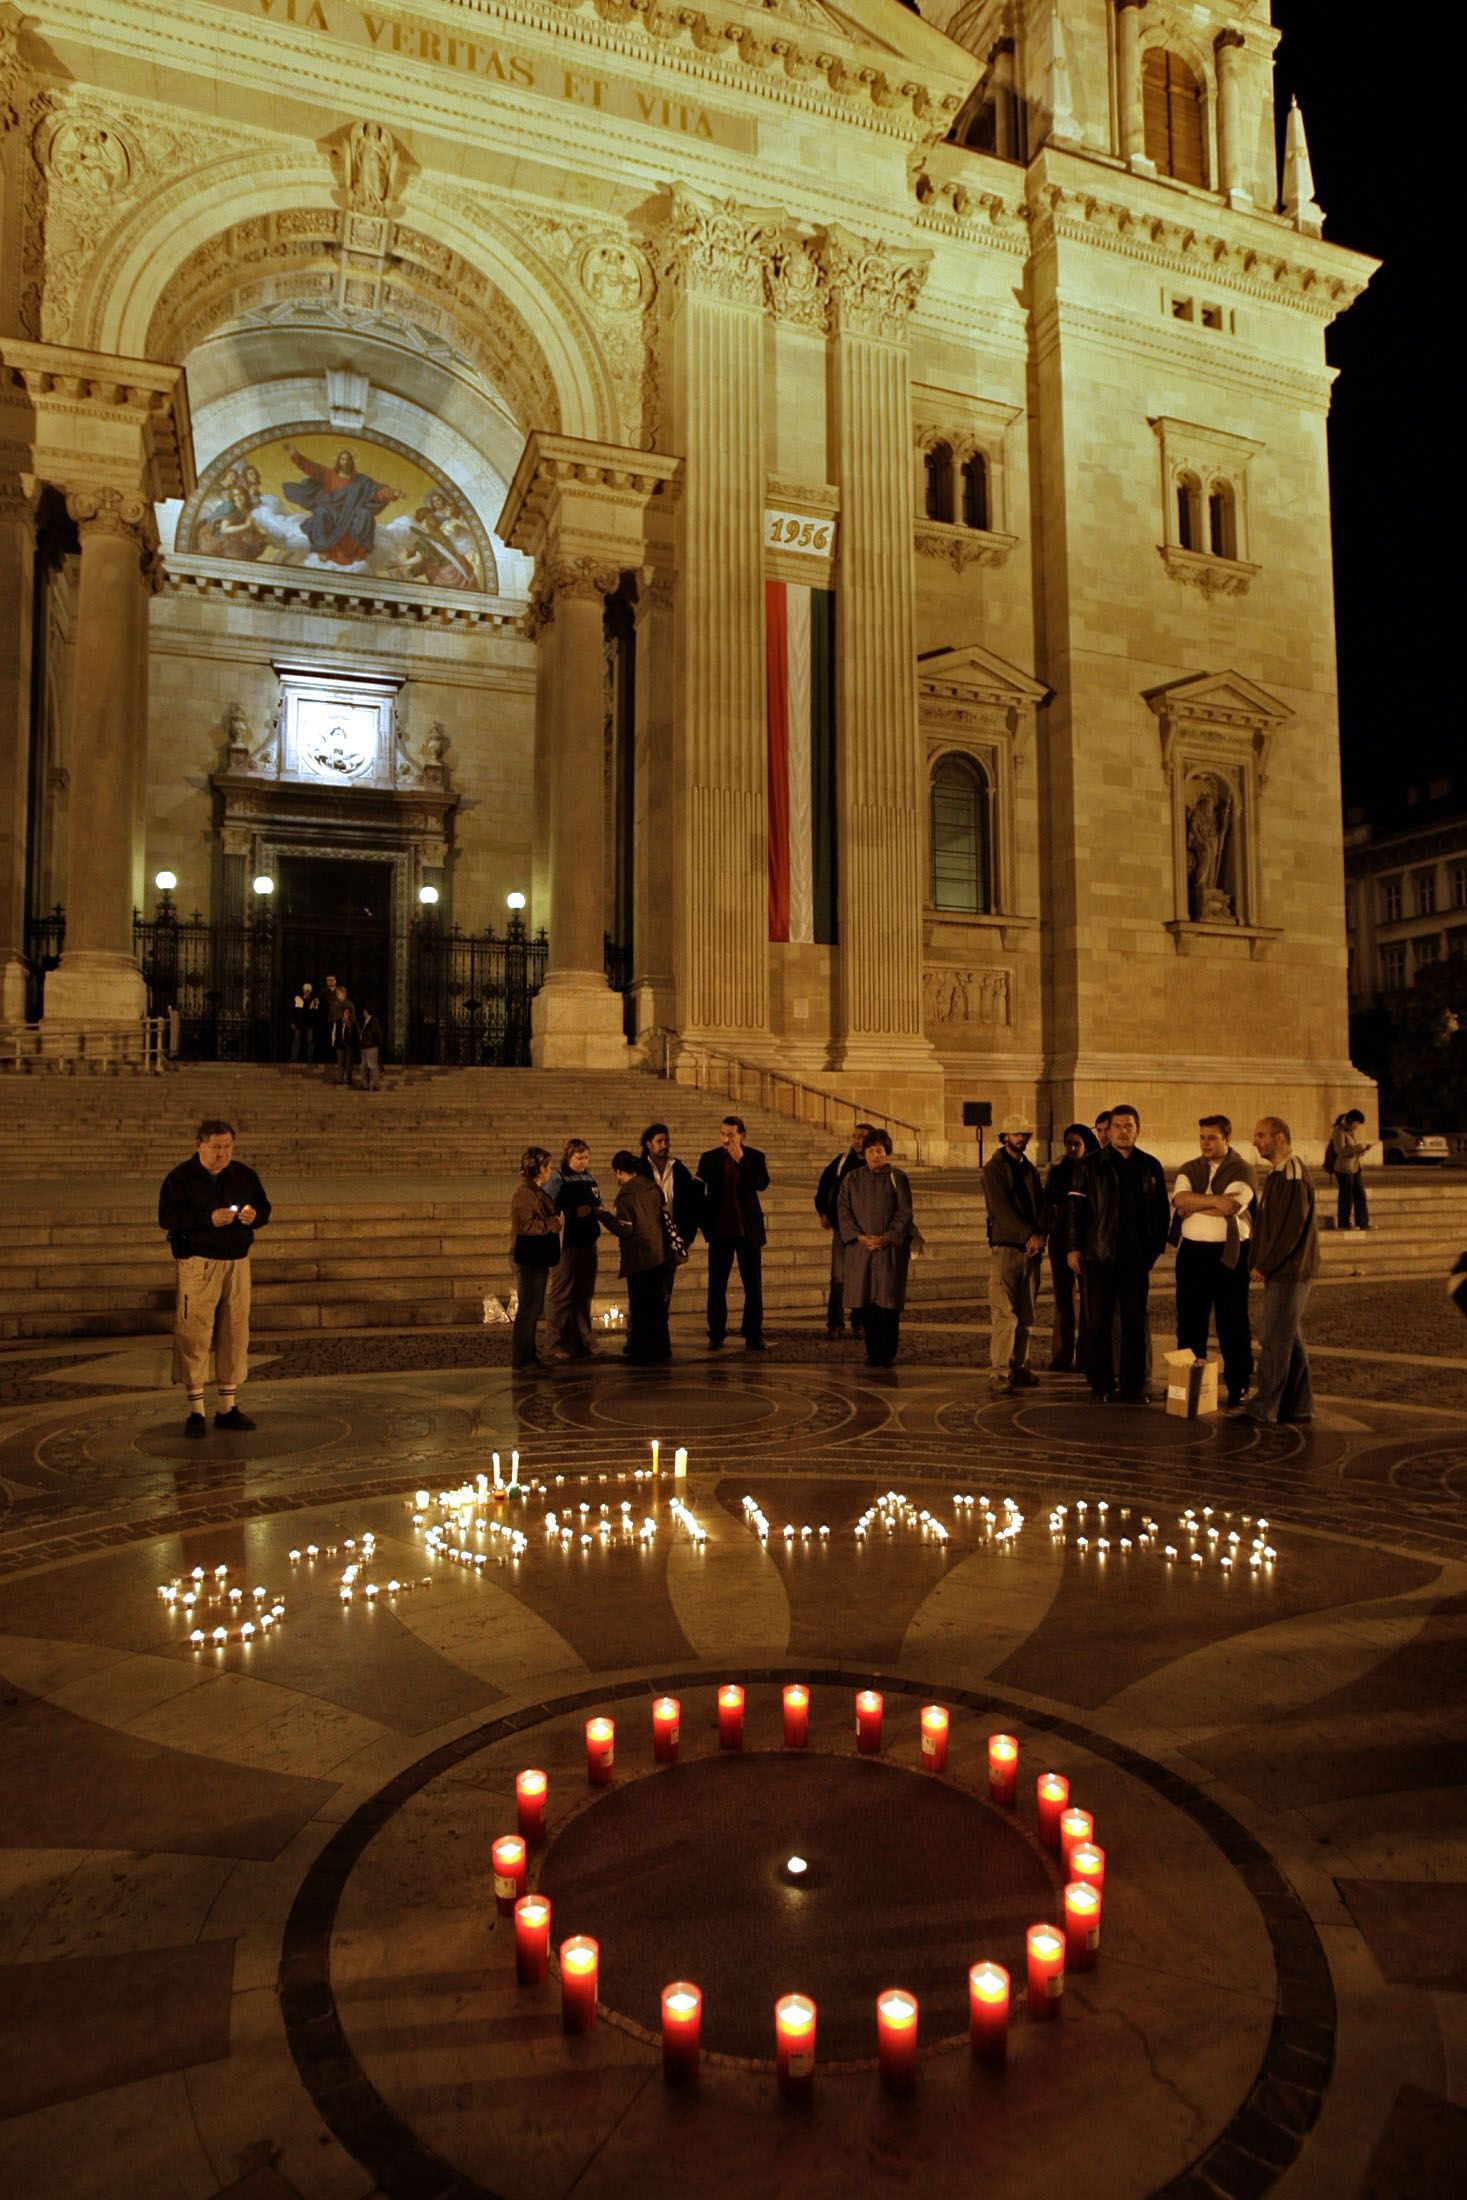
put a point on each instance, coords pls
(672, 1237)
(537, 1252)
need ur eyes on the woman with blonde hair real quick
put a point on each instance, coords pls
(534, 1249)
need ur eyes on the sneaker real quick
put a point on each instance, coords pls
(1023, 1379)
(195, 1425)
(232, 1419)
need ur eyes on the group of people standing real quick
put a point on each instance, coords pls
(330, 1022)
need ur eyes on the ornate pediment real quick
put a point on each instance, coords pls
(1228, 699)
(977, 676)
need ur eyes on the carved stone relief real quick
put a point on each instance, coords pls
(974, 996)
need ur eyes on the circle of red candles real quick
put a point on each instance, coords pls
(988, 2011)
(1053, 1792)
(600, 1751)
(667, 1715)
(580, 1970)
(896, 2040)
(508, 1853)
(532, 1939)
(682, 2031)
(530, 1792)
(1045, 1948)
(1082, 1925)
(1076, 1825)
(868, 1722)
(796, 1715)
(1087, 1862)
(731, 1716)
(934, 1737)
(794, 2046)
(1003, 1770)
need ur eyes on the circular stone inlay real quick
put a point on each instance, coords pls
(683, 1875)
(692, 1412)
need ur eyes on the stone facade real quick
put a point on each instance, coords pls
(1406, 890)
(957, 324)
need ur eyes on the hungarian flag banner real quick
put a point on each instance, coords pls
(799, 627)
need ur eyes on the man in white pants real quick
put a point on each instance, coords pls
(211, 1208)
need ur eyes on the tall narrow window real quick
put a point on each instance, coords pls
(939, 465)
(975, 491)
(961, 868)
(1222, 520)
(1189, 512)
(1171, 103)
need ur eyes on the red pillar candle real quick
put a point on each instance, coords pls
(731, 1716)
(1046, 1952)
(1087, 1862)
(508, 1853)
(934, 1737)
(1076, 1825)
(530, 1792)
(1082, 1925)
(794, 2046)
(667, 1715)
(868, 1722)
(532, 1939)
(896, 2040)
(988, 2011)
(580, 1969)
(796, 1715)
(600, 1751)
(1003, 1769)
(682, 2030)
(1053, 1792)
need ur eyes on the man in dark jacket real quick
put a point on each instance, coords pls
(1119, 1216)
(1015, 1199)
(827, 1194)
(1284, 1256)
(638, 1217)
(682, 1194)
(211, 1208)
(733, 1175)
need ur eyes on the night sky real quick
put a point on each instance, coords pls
(1379, 175)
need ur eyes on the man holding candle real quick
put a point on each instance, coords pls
(211, 1208)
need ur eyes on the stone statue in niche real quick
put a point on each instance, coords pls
(1209, 820)
(371, 165)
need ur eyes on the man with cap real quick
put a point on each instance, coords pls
(1015, 1197)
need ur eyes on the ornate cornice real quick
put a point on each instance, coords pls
(873, 285)
(718, 249)
(296, 588)
(1214, 576)
(572, 580)
(601, 476)
(961, 547)
(145, 396)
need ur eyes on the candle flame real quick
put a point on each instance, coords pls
(897, 2008)
(681, 2001)
(1044, 1940)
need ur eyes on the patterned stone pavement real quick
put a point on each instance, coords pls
(247, 1936)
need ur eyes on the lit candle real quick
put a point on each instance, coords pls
(1082, 1925)
(680, 1465)
(656, 1449)
(868, 1722)
(934, 1737)
(988, 2011)
(600, 1751)
(580, 1968)
(1003, 1769)
(1053, 1792)
(1046, 1951)
(796, 1715)
(666, 1717)
(794, 2046)
(1087, 1862)
(731, 1716)
(682, 2028)
(530, 1792)
(896, 2040)
(532, 1939)
(508, 1853)
(1076, 1825)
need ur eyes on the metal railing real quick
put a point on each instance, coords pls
(689, 1061)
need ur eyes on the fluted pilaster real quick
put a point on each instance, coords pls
(17, 583)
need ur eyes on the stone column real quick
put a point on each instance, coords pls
(1006, 135)
(1128, 85)
(880, 774)
(99, 983)
(576, 1019)
(17, 593)
(1231, 155)
(655, 826)
(714, 263)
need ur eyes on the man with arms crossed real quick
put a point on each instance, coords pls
(211, 1208)
(1210, 1202)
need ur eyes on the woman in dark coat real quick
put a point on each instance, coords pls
(874, 1218)
(1069, 1289)
(534, 1249)
(644, 1258)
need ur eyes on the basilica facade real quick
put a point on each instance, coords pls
(823, 508)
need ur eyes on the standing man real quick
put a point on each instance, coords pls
(827, 1194)
(1210, 1201)
(1015, 1197)
(733, 1175)
(1347, 1151)
(1285, 1258)
(1119, 1217)
(874, 1224)
(638, 1219)
(1102, 1127)
(371, 1039)
(682, 1194)
(211, 1208)
(310, 1020)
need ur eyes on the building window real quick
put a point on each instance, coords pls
(1426, 951)
(975, 491)
(961, 863)
(1457, 946)
(1390, 901)
(1222, 520)
(939, 468)
(1392, 968)
(1459, 885)
(1171, 101)
(1425, 883)
(1189, 512)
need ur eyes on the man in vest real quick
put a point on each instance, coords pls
(1015, 1199)
(1211, 1199)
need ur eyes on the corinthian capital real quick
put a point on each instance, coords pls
(716, 249)
(872, 286)
(114, 512)
(579, 579)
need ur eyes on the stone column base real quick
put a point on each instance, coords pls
(14, 974)
(576, 1023)
(91, 990)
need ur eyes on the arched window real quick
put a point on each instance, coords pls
(939, 465)
(975, 491)
(961, 866)
(1171, 106)
(1189, 512)
(1222, 520)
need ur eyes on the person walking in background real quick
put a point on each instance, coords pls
(1347, 1151)
(534, 1249)
(1015, 1200)
(681, 1193)
(577, 1198)
(1284, 1252)
(874, 1223)
(733, 1175)
(211, 1208)
(1069, 1289)
(344, 1039)
(638, 1217)
(312, 1021)
(827, 1196)
(1211, 1199)
(1119, 1215)
(371, 1045)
